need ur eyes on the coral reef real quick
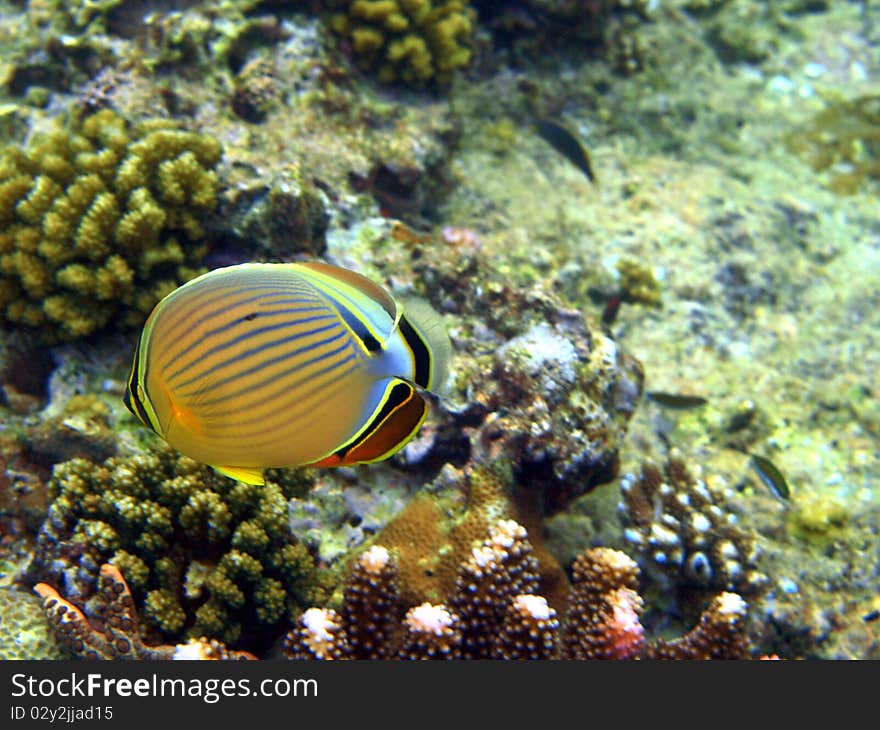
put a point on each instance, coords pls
(555, 401)
(413, 41)
(493, 613)
(98, 223)
(538, 385)
(204, 555)
(24, 631)
(843, 141)
(677, 524)
(109, 628)
(541, 27)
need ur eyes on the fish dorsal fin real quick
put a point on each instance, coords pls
(245, 474)
(356, 297)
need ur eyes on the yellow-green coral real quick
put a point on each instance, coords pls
(24, 631)
(414, 41)
(844, 141)
(99, 222)
(204, 555)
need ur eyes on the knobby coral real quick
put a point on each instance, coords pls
(99, 222)
(414, 41)
(495, 613)
(204, 555)
(677, 523)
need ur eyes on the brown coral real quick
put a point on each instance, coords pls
(110, 629)
(493, 613)
(676, 522)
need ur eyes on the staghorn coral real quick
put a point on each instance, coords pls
(413, 41)
(493, 613)
(204, 555)
(682, 534)
(109, 627)
(99, 222)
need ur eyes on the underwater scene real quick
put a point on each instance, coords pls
(433, 329)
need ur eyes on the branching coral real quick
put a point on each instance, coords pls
(110, 629)
(677, 524)
(98, 223)
(494, 613)
(414, 41)
(204, 555)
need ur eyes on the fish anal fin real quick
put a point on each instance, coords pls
(395, 421)
(248, 475)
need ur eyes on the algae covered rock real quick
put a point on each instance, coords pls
(99, 221)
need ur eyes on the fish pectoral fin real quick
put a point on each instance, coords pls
(245, 474)
(391, 425)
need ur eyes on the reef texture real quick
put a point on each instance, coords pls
(413, 41)
(204, 555)
(24, 633)
(494, 613)
(683, 536)
(99, 222)
(109, 628)
(541, 387)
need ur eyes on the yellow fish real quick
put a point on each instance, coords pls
(276, 365)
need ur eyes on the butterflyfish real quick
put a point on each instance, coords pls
(280, 365)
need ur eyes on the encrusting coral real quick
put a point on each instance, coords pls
(414, 41)
(110, 629)
(676, 523)
(24, 633)
(494, 613)
(99, 222)
(204, 555)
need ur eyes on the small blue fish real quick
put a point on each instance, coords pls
(277, 365)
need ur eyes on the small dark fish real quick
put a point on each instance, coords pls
(612, 307)
(676, 400)
(771, 476)
(871, 616)
(567, 145)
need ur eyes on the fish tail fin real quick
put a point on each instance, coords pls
(429, 326)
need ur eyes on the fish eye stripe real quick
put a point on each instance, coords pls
(202, 356)
(420, 352)
(131, 399)
(262, 365)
